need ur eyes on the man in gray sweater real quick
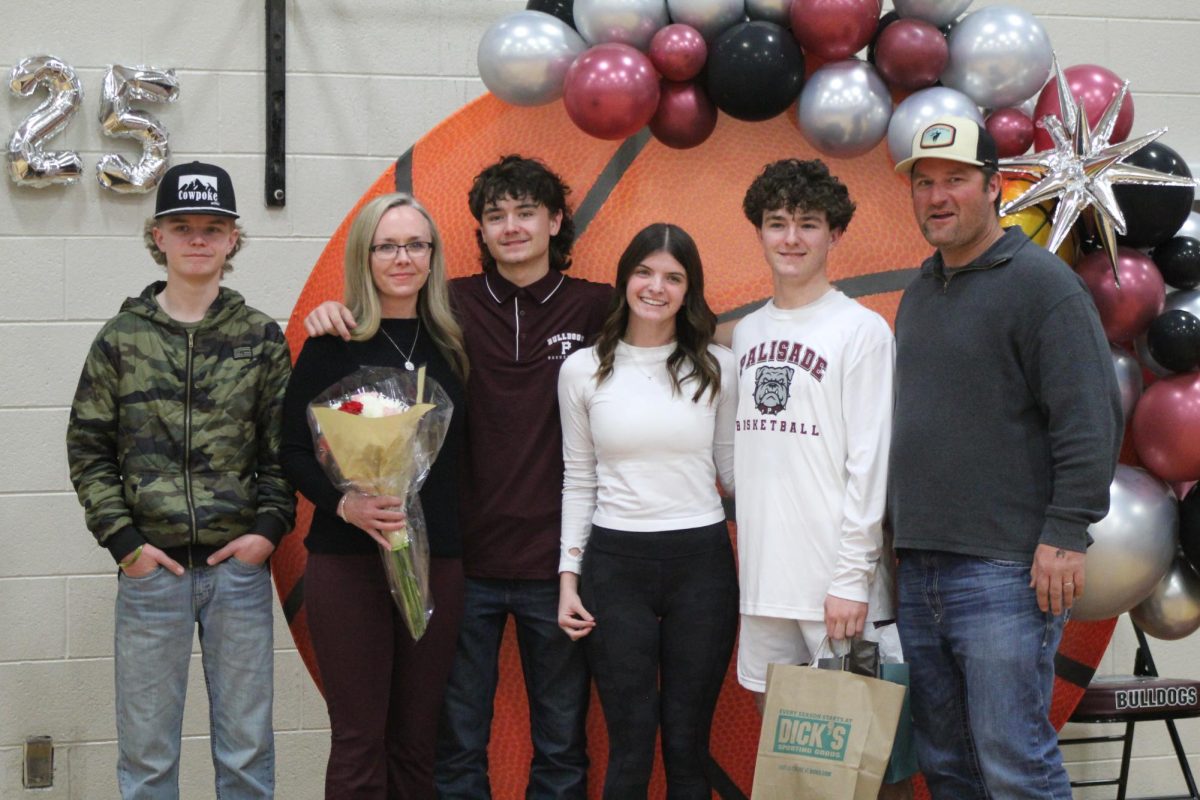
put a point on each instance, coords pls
(1005, 436)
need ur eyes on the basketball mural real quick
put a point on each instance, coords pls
(618, 187)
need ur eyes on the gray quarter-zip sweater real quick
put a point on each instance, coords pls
(1008, 421)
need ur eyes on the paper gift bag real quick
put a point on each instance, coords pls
(826, 735)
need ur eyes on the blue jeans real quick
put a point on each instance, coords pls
(556, 681)
(155, 619)
(981, 655)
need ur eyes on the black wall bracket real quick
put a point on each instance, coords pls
(276, 177)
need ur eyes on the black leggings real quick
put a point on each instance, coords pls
(666, 609)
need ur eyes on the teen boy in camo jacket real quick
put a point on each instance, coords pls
(173, 444)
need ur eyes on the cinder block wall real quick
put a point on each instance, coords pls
(365, 80)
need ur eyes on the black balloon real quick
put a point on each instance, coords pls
(1154, 213)
(1174, 340)
(755, 71)
(884, 21)
(563, 9)
(1189, 526)
(1178, 259)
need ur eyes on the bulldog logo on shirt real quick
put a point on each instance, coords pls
(772, 386)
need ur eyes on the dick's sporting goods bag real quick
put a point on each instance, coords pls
(826, 735)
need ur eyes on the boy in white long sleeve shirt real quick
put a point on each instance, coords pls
(811, 441)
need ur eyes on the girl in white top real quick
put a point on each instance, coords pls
(647, 578)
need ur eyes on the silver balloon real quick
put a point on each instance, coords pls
(919, 109)
(523, 57)
(1134, 545)
(844, 108)
(1172, 611)
(936, 12)
(631, 22)
(121, 86)
(29, 164)
(1191, 226)
(1178, 300)
(710, 17)
(777, 11)
(1129, 379)
(999, 56)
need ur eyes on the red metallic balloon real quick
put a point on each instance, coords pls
(1127, 311)
(685, 116)
(1012, 130)
(1096, 86)
(834, 29)
(678, 51)
(911, 54)
(1166, 427)
(611, 91)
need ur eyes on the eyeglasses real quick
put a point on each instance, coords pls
(415, 250)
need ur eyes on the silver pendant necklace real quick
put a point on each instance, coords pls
(408, 365)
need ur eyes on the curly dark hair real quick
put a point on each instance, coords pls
(793, 184)
(519, 178)
(695, 322)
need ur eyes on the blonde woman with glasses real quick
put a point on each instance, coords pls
(384, 691)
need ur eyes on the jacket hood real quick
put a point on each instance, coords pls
(227, 304)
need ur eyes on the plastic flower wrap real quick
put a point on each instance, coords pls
(378, 431)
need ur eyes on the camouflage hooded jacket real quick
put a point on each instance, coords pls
(174, 431)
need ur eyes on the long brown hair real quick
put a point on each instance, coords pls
(433, 301)
(695, 322)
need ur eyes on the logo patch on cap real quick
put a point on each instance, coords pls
(940, 135)
(198, 189)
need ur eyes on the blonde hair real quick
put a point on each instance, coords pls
(160, 257)
(433, 301)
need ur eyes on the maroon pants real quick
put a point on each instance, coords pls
(383, 690)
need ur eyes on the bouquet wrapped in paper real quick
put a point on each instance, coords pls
(378, 431)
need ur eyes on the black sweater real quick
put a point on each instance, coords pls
(327, 359)
(1008, 420)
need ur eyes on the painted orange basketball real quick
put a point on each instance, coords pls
(619, 187)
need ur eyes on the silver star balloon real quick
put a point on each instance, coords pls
(1081, 169)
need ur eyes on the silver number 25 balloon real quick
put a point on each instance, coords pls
(122, 86)
(29, 164)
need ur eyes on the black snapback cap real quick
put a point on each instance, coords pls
(196, 188)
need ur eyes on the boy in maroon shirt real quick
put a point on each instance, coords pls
(521, 316)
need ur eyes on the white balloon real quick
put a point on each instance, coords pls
(999, 56)
(777, 11)
(1134, 545)
(631, 22)
(919, 109)
(844, 108)
(935, 12)
(1172, 611)
(710, 17)
(523, 57)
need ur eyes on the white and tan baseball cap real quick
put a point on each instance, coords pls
(954, 139)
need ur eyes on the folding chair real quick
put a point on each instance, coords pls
(1140, 697)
